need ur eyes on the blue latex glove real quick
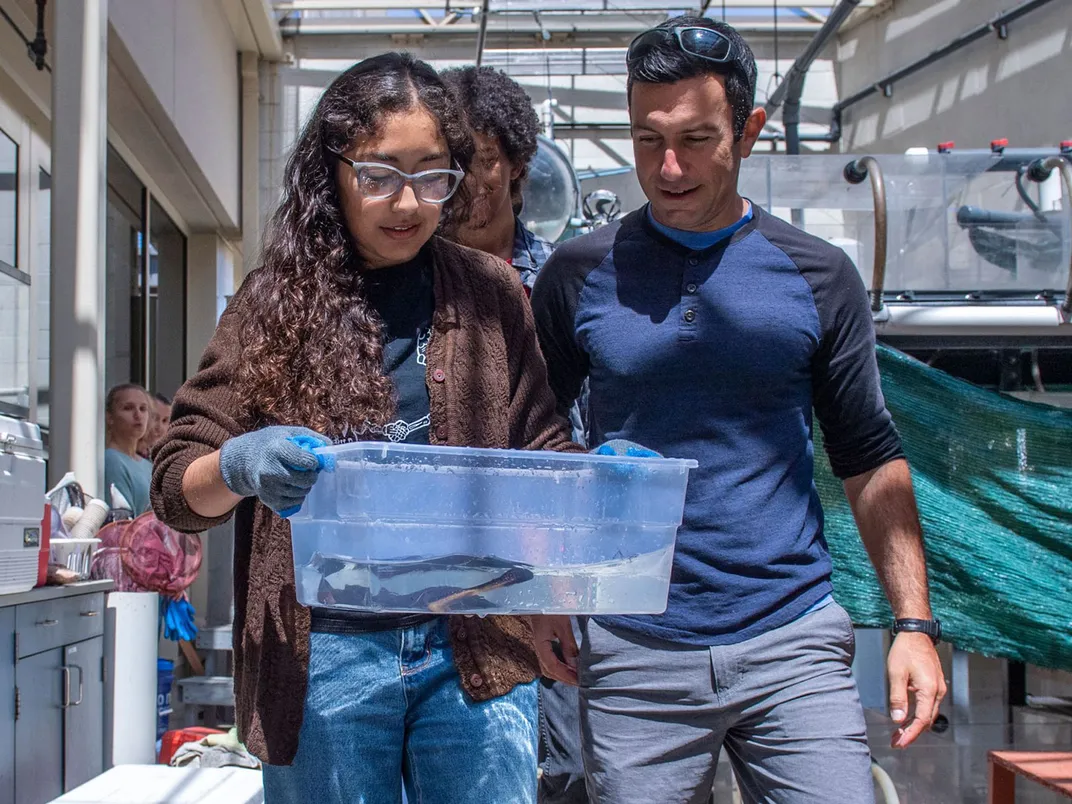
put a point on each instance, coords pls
(179, 621)
(627, 449)
(277, 465)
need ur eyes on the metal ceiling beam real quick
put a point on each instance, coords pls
(455, 42)
(578, 25)
(621, 131)
(814, 14)
(592, 5)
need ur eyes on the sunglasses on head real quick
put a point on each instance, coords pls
(704, 43)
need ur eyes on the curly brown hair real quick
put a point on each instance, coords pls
(498, 107)
(312, 345)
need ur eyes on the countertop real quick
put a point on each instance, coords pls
(160, 784)
(55, 592)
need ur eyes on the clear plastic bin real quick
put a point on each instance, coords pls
(409, 528)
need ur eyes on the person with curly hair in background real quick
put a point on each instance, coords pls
(361, 323)
(505, 127)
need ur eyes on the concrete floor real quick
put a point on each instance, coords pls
(951, 767)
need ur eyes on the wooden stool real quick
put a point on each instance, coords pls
(1051, 769)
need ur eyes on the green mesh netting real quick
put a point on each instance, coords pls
(993, 478)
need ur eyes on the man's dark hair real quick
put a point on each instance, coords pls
(159, 397)
(498, 107)
(667, 63)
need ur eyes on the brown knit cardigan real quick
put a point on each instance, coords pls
(487, 386)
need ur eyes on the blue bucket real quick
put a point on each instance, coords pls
(165, 676)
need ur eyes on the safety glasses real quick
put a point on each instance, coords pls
(703, 43)
(377, 181)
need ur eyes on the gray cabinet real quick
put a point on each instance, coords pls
(83, 738)
(51, 691)
(40, 680)
(7, 704)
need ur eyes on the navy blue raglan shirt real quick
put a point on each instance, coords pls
(721, 355)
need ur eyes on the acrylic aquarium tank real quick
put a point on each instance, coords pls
(409, 528)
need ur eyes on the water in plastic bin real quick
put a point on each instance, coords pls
(472, 584)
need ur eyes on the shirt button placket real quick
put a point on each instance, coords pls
(439, 377)
(688, 317)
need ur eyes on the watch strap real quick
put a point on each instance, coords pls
(932, 628)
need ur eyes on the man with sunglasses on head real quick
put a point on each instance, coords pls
(709, 329)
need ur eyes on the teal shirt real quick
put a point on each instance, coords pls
(130, 476)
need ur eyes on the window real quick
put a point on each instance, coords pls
(14, 343)
(146, 331)
(42, 244)
(124, 342)
(15, 311)
(9, 198)
(167, 303)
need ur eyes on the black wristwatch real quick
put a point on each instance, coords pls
(932, 628)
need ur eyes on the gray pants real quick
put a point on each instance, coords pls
(655, 716)
(561, 766)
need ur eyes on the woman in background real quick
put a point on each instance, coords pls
(126, 419)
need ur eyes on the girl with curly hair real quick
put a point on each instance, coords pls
(362, 323)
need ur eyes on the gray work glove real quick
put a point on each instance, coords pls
(276, 465)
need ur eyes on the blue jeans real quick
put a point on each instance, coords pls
(386, 706)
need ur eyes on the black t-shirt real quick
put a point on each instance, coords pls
(403, 297)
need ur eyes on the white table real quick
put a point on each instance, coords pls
(160, 784)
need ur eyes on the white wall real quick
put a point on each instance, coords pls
(210, 280)
(186, 54)
(991, 89)
(274, 146)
